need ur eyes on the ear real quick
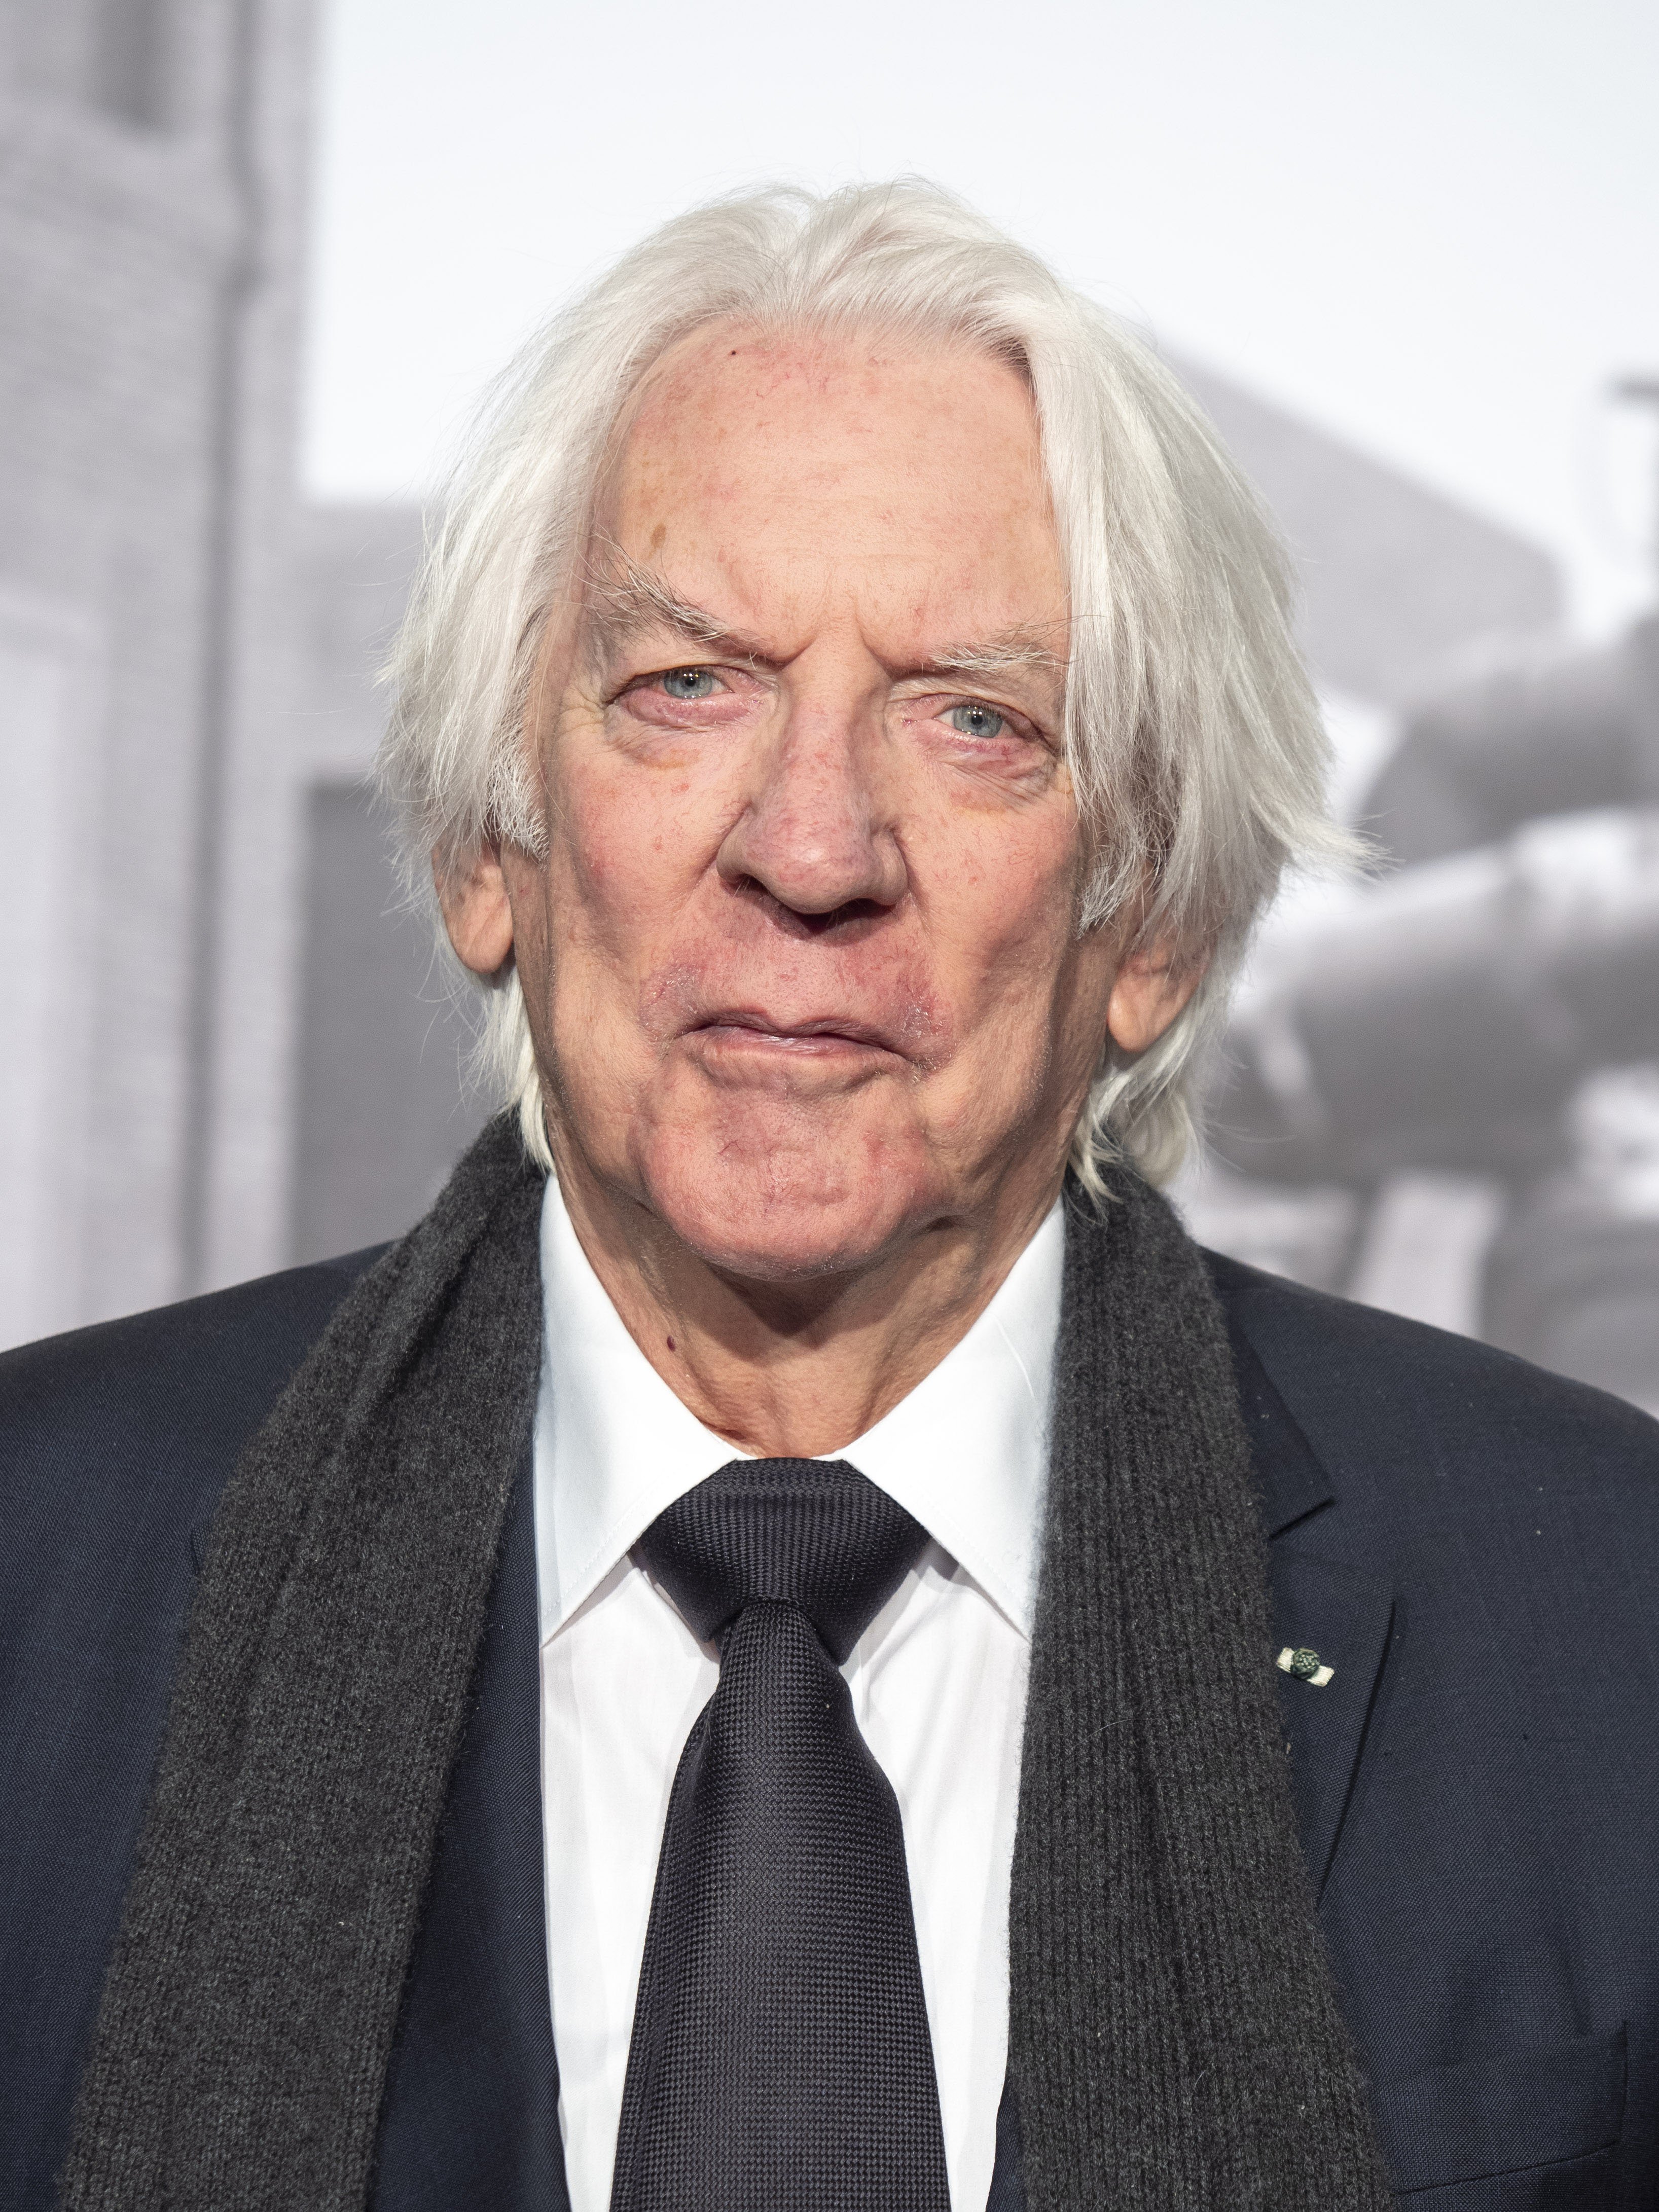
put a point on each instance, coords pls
(1153, 986)
(477, 911)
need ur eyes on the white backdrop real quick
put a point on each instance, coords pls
(1430, 225)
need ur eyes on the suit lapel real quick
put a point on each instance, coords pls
(1008, 2190)
(1319, 1606)
(1344, 1617)
(470, 2113)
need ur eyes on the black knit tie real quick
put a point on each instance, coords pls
(780, 2054)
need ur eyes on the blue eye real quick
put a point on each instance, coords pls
(976, 721)
(688, 682)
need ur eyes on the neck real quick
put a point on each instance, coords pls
(799, 1369)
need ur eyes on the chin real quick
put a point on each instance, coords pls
(788, 1212)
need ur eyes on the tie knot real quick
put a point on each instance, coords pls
(810, 1533)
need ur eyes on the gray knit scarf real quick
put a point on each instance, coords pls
(1174, 2037)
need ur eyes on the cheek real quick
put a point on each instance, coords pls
(627, 845)
(1007, 900)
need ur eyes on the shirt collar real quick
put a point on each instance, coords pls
(966, 1452)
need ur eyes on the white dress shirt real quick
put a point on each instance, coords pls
(938, 1679)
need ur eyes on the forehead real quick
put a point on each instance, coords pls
(784, 471)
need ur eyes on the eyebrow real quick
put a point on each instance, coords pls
(1015, 651)
(630, 599)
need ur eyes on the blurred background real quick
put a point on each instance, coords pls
(258, 260)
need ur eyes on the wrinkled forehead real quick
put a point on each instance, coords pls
(778, 473)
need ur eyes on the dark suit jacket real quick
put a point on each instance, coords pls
(1471, 1544)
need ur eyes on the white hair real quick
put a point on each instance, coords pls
(1194, 740)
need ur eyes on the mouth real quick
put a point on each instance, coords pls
(750, 1030)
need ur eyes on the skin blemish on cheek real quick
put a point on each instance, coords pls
(658, 537)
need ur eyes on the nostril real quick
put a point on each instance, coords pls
(844, 921)
(851, 918)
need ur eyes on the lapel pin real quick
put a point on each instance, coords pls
(1305, 1665)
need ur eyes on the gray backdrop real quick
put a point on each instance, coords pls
(228, 1044)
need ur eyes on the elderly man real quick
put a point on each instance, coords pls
(734, 1667)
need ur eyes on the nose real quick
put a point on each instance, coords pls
(815, 836)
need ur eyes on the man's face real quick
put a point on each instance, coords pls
(801, 965)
